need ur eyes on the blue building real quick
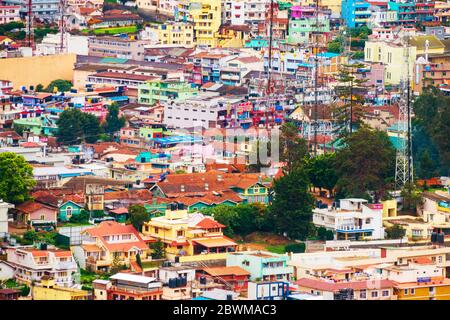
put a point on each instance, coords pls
(356, 13)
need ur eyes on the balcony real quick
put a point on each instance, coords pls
(276, 270)
(352, 228)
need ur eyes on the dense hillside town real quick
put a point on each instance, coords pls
(224, 150)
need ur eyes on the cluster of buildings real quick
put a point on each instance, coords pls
(201, 89)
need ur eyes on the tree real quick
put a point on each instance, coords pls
(75, 126)
(60, 85)
(324, 234)
(431, 127)
(138, 260)
(427, 167)
(113, 122)
(16, 178)
(39, 88)
(366, 164)
(30, 237)
(291, 209)
(293, 149)
(395, 232)
(322, 172)
(158, 251)
(350, 91)
(226, 215)
(138, 215)
(412, 197)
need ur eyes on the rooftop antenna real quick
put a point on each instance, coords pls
(62, 25)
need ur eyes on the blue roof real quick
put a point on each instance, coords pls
(177, 139)
(201, 298)
(119, 98)
(328, 54)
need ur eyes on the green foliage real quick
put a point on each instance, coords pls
(75, 126)
(295, 247)
(366, 164)
(293, 148)
(395, 232)
(279, 249)
(10, 26)
(157, 248)
(358, 55)
(40, 33)
(61, 85)
(16, 178)
(40, 87)
(113, 122)
(138, 215)
(30, 236)
(427, 167)
(242, 219)
(138, 260)
(431, 127)
(322, 171)
(350, 91)
(324, 234)
(335, 46)
(81, 218)
(412, 197)
(291, 209)
(25, 290)
(180, 171)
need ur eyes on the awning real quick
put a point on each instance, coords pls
(215, 242)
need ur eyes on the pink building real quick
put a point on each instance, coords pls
(9, 14)
(299, 12)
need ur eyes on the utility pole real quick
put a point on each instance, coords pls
(269, 69)
(316, 77)
(62, 25)
(30, 36)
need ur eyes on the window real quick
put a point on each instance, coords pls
(413, 291)
(374, 294)
(385, 293)
(363, 294)
(406, 292)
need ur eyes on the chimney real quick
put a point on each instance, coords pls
(206, 186)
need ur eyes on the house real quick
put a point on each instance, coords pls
(9, 14)
(348, 290)
(67, 204)
(125, 286)
(248, 186)
(9, 294)
(189, 237)
(112, 243)
(261, 265)
(7, 270)
(32, 264)
(351, 219)
(4, 207)
(436, 207)
(5, 41)
(234, 278)
(47, 289)
(35, 214)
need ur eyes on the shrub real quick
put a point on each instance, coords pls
(296, 247)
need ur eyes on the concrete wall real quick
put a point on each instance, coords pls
(31, 71)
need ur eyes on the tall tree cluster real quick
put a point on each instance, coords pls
(75, 127)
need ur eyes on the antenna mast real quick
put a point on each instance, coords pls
(404, 160)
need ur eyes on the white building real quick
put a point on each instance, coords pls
(352, 219)
(202, 110)
(245, 12)
(4, 217)
(31, 264)
(9, 14)
(166, 273)
(51, 44)
(42, 9)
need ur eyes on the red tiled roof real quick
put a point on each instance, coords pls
(31, 206)
(336, 286)
(224, 271)
(208, 223)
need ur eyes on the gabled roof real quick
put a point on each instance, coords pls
(208, 223)
(336, 286)
(225, 271)
(31, 206)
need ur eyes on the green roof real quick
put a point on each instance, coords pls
(113, 60)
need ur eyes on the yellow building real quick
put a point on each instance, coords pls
(334, 5)
(392, 55)
(48, 290)
(415, 228)
(436, 290)
(206, 15)
(179, 33)
(389, 208)
(189, 237)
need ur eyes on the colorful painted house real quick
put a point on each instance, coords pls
(152, 92)
(35, 214)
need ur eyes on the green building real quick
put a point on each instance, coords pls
(152, 92)
(300, 29)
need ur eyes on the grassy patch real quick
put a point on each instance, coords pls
(280, 248)
(151, 264)
(112, 31)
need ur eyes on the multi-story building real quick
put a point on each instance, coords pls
(189, 237)
(41, 9)
(118, 47)
(263, 266)
(111, 242)
(9, 14)
(206, 15)
(125, 286)
(431, 74)
(392, 55)
(47, 289)
(356, 13)
(175, 33)
(4, 217)
(351, 219)
(302, 25)
(32, 264)
(207, 66)
(239, 12)
(165, 91)
(8, 113)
